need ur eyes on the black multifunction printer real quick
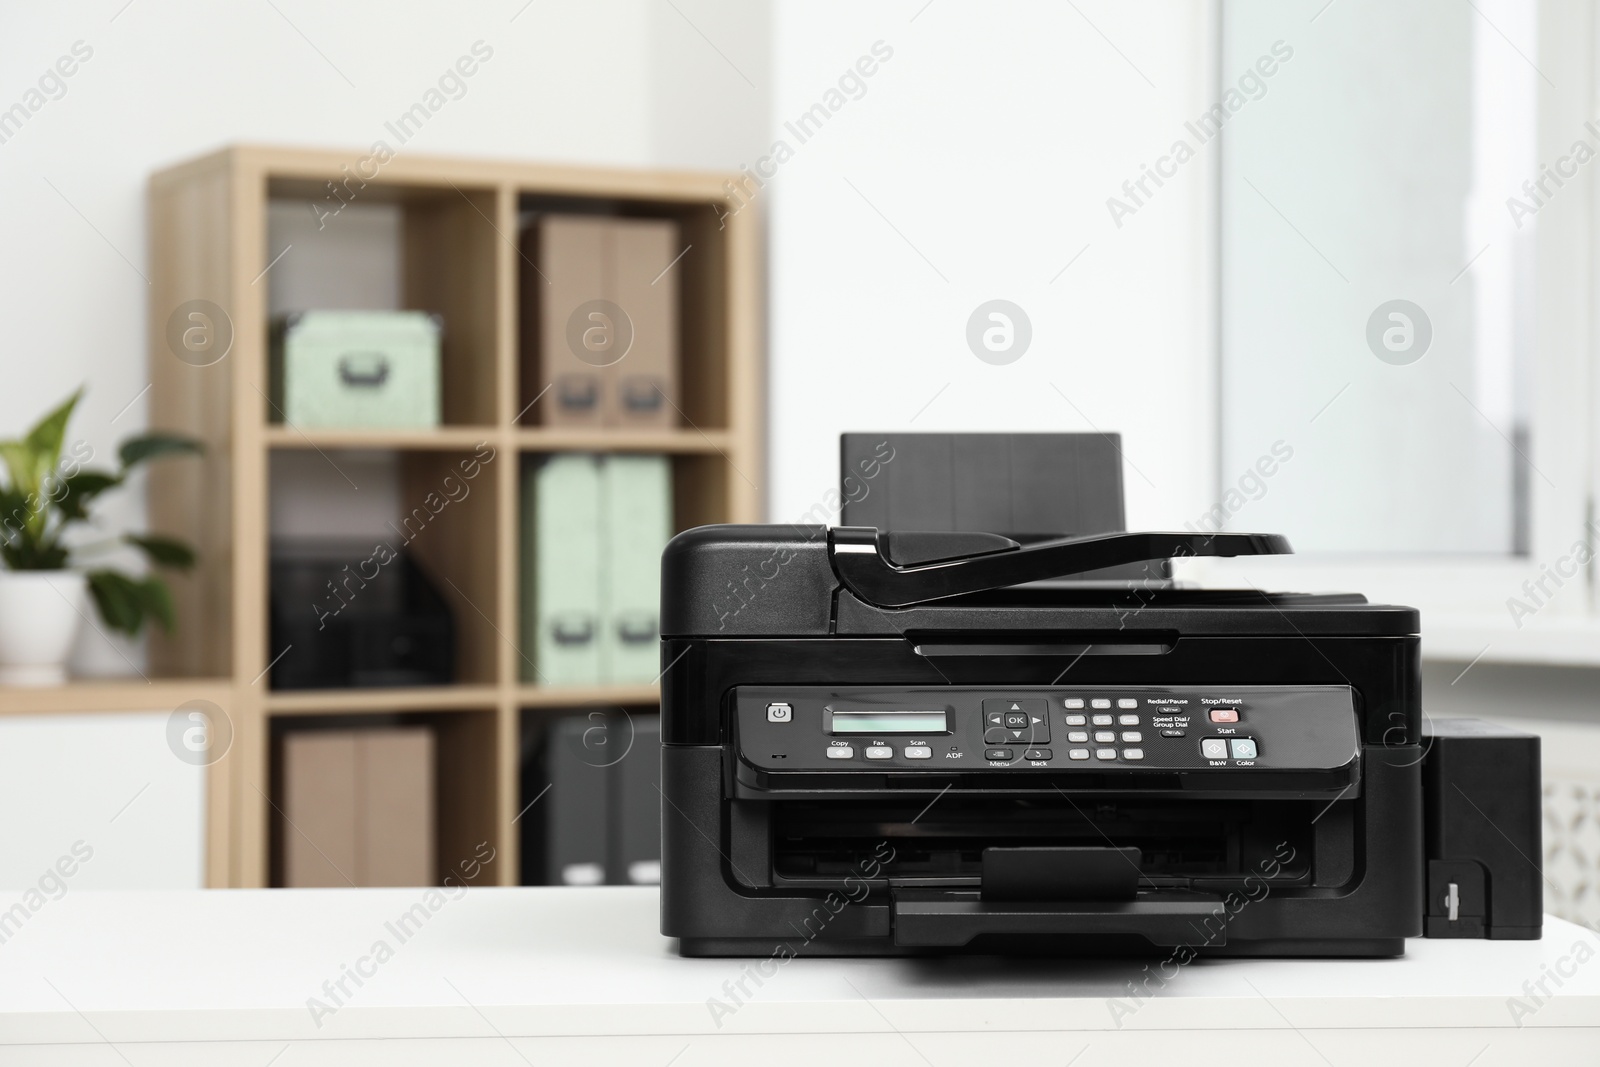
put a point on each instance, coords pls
(900, 743)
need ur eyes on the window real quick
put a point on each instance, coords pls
(1404, 239)
(1377, 294)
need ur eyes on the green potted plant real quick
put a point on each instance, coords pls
(45, 581)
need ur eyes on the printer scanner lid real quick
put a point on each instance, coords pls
(793, 580)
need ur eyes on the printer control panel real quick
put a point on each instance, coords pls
(878, 728)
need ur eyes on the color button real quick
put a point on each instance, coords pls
(1243, 747)
(841, 752)
(1224, 714)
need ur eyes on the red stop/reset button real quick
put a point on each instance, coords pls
(1224, 715)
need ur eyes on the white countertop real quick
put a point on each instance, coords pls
(531, 972)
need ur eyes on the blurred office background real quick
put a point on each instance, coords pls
(1328, 268)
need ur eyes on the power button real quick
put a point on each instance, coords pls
(779, 713)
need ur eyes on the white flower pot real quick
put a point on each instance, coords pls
(39, 616)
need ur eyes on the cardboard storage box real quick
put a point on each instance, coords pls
(593, 530)
(605, 304)
(357, 807)
(356, 369)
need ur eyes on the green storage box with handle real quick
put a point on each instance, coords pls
(356, 369)
(562, 502)
(636, 509)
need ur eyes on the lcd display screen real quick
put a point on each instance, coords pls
(888, 722)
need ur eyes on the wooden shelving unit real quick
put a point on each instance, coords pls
(459, 218)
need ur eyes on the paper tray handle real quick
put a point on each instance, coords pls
(924, 918)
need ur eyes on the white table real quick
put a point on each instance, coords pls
(507, 976)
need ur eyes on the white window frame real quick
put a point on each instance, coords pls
(1464, 601)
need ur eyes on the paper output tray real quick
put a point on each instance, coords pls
(950, 918)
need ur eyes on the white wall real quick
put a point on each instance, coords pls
(976, 166)
(108, 783)
(628, 82)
